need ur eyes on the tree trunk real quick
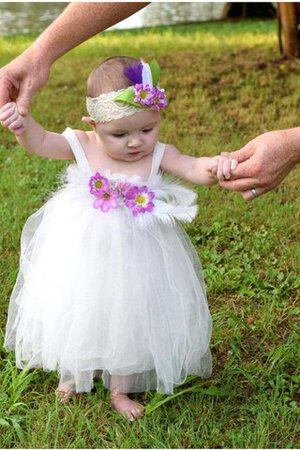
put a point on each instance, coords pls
(289, 19)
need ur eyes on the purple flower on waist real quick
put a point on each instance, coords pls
(110, 194)
(123, 187)
(98, 183)
(106, 200)
(139, 199)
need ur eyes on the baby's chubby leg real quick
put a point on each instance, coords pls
(120, 401)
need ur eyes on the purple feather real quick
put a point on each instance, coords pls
(134, 73)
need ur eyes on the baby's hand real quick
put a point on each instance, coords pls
(221, 167)
(12, 119)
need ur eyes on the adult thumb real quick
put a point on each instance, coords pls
(243, 153)
(24, 98)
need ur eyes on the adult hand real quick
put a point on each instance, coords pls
(264, 162)
(21, 78)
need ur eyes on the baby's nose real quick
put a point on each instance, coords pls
(134, 141)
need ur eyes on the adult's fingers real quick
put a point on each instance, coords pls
(246, 169)
(5, 89)
(24, 97)
(242, 154)
(242, 184)
(253, 194)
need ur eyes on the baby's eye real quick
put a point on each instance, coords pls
(147, 130)
(118, 134)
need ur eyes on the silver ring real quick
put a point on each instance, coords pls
(254, 192)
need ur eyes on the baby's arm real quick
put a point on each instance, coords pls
(203, 170)
(32, 136)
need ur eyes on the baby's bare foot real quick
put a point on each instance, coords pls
(65, 391)
(123, 404)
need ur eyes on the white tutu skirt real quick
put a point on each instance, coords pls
(106, 294)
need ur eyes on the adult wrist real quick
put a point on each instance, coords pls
(291, 139)
(40, 53)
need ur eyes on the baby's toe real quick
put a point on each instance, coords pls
(138, 411)
(127, 413)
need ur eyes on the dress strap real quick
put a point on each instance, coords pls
(77, 149)
(157, 158)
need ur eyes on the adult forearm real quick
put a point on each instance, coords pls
(27, 73)
(77, 23)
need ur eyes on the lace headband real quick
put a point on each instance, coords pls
(144, 94)
(104, 108)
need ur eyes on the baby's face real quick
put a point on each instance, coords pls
(130, 138)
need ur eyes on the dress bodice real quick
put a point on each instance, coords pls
(83, 164)
(171, 200)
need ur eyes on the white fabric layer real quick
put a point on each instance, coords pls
(104, 108)
(102, 294)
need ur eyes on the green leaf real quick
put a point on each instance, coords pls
(126, 96)
(216, 392)
(212, 391)
(248, 292)
(4, 423)
(155, 71)
(18, 429)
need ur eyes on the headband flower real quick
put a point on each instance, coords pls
(145, 92)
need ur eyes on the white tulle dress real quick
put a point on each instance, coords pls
(109, 293)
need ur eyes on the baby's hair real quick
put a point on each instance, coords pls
(109, 76)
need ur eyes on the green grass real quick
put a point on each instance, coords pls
(225, 87)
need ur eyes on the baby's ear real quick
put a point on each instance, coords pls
(89, 121)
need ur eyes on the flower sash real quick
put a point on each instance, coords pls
(112, 194)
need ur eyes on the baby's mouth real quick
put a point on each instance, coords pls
(134, 153)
